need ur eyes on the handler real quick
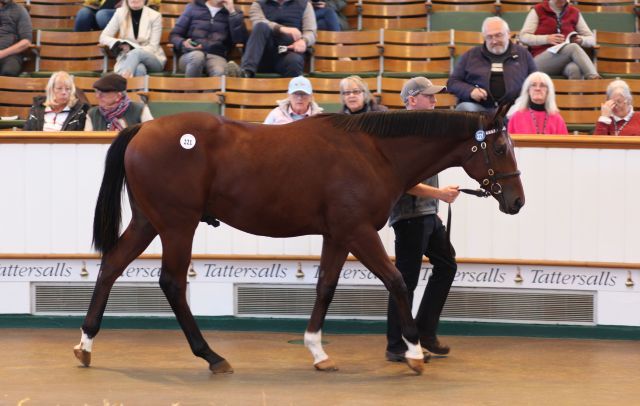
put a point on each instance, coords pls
(419, 231)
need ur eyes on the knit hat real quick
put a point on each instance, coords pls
(111, 82)
(418, 85)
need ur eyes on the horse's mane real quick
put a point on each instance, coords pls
(402, 123)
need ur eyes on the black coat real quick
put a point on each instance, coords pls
(74, 122)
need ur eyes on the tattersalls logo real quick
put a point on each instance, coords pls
(225, 271)
(559, 278)
(494, 275)
(57, 270)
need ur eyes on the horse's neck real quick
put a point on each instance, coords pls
(415, 159)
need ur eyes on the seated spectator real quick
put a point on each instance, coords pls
(15, 36)
(282, 31)
(617, 116)
(95, 14)
(492, 73)
(204, 35)
(297, 106)
(133, 34)
(536, 111)
(356, 97)
(550, 24)
(115, 111)
(63, 108)
(328, 14)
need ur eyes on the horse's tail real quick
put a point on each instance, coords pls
(108, 214)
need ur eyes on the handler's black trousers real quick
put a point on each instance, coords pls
(415, 237)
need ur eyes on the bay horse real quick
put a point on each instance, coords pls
(333, 175)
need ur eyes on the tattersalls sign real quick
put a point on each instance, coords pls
(307, 272)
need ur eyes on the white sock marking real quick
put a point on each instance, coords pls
(85, 343)
(313, 341)
(414, 351)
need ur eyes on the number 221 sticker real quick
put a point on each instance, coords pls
(187, 141)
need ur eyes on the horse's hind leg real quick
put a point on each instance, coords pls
(368, 248)
(331, 261)
(176, 255)
(135, 239)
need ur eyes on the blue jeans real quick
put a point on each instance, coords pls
(89, 19)
(138, 62)
(327, 19)
(194, 62)
(416, 237)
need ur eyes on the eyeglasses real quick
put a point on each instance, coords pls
(300, 95)
(60, 89)
(497, 36)
(354, 92)
(538, 85)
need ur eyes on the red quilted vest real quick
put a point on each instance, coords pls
(548, 23)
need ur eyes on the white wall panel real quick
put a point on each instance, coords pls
(631, 193)
(12, 200)
(584, 203)
(611, 221)
(580, 205)
(37, 209)
(532, 163)
(63, 199)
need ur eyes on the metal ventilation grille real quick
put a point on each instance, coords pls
(520, 306)
(368, 302)
(129, 299)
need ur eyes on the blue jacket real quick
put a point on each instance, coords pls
(474, 69)
(217, 35)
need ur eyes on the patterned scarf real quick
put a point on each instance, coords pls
(112, 115)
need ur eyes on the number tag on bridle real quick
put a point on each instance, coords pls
(480, 135)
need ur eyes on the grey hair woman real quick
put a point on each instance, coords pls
(616, 113)
(536, 111)
(356, 97)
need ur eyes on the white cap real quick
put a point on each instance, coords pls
(300, 84)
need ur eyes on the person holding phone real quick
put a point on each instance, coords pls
(205, 34)
(279, 23)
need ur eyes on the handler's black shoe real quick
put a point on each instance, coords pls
(399, 356)
(434, 346)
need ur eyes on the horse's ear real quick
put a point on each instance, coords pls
(501, 111)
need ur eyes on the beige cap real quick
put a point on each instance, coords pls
(418, 85)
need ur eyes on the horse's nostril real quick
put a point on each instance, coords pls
(518, 203)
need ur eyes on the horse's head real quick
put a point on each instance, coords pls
(492, 162)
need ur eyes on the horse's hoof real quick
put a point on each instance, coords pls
(83, 356)
(417, 365)
(221, 367)
(327, 365)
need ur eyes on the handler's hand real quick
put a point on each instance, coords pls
(449, 193)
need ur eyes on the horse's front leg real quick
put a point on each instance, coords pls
(368, 248)
(132, 243)
(176, 255)
(331, 261)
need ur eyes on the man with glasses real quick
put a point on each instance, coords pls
(297, 106)
(492, 73)
(419, 232)
(115, 110)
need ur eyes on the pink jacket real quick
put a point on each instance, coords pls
(522, 123)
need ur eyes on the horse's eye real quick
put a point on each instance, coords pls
(500, 148)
